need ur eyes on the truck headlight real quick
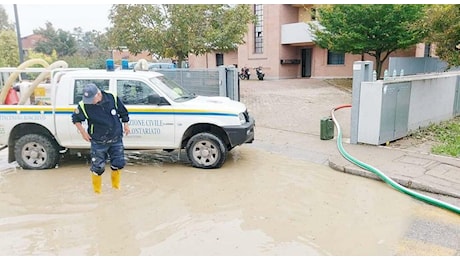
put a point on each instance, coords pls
(242, 118)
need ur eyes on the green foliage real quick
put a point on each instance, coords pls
(4, 24)
(80, 61)
(79, 49)
(175, 30)
(446, 135)
(93, 50)
(444, 24)
(374, 29)
(90, 43)
(9, 53)
(55, 40)
(38, 55)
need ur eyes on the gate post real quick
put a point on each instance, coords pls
(362, 71)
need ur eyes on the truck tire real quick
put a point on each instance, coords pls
(206, 151)
(36, 152)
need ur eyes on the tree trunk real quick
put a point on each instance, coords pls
(378, 65)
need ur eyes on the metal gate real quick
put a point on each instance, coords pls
(221, 81)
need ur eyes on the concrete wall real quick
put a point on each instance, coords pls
(416, 65)
(432, 100)
(208, 60)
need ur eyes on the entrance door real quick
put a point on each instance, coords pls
(306, 62)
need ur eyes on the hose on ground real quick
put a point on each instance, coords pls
(382, 176)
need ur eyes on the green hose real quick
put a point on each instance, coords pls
(382, 176)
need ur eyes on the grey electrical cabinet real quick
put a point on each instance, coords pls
(457, 98)
(383, 112)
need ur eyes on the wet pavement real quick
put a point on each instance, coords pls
(277, 196)
(298, 111)
(410, 165)
(247, 207)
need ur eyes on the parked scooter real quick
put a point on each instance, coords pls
(260, 74)
(245, 73)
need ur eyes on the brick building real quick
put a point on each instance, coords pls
(283, 45)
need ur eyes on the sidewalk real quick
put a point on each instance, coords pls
(413, 170)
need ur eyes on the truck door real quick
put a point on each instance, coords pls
(74, 138)
(151, 125)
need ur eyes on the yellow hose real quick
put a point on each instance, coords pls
(15, 74)
(57, 64)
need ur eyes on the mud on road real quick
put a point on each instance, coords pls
(276, 196)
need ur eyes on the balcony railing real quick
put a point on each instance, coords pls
(296, 33)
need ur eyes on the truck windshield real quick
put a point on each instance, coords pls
(172, 89)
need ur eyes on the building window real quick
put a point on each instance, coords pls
(313, 14)
(427, 52)
(335, 58)
(219, 59)
(258, 29)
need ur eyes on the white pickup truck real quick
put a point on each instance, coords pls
(163, 115)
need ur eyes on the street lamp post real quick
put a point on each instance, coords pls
(18, 33)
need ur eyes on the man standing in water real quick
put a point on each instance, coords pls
(107, 119)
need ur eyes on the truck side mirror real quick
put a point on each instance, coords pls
(155, 99)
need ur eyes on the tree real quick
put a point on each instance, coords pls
(92, 49)
(90, 43)
(39, 55)
(9, 55)
(377, 29)
(443, 22)
(85, 42)
(61, 41)
(175, 30)
(4, 24)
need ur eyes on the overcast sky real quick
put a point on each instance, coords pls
(69, 16)
(65, 16)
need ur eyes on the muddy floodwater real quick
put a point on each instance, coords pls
(258, 203)
(276, 196)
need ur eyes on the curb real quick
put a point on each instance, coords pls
(414, 185)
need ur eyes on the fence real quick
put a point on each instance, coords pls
(417, 65)
(221, 81)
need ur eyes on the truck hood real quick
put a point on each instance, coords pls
(218, 103)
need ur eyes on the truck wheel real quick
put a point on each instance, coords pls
(36, 152)
(206, 151)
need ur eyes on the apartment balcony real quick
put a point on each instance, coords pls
(297, 34)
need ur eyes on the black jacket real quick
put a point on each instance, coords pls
(104, 118)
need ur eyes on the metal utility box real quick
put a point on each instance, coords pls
(362, 72)
(327, 128)
(384, 112)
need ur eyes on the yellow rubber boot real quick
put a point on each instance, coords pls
(116, 179)
(97, 182)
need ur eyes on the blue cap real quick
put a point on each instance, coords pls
(89, 91)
